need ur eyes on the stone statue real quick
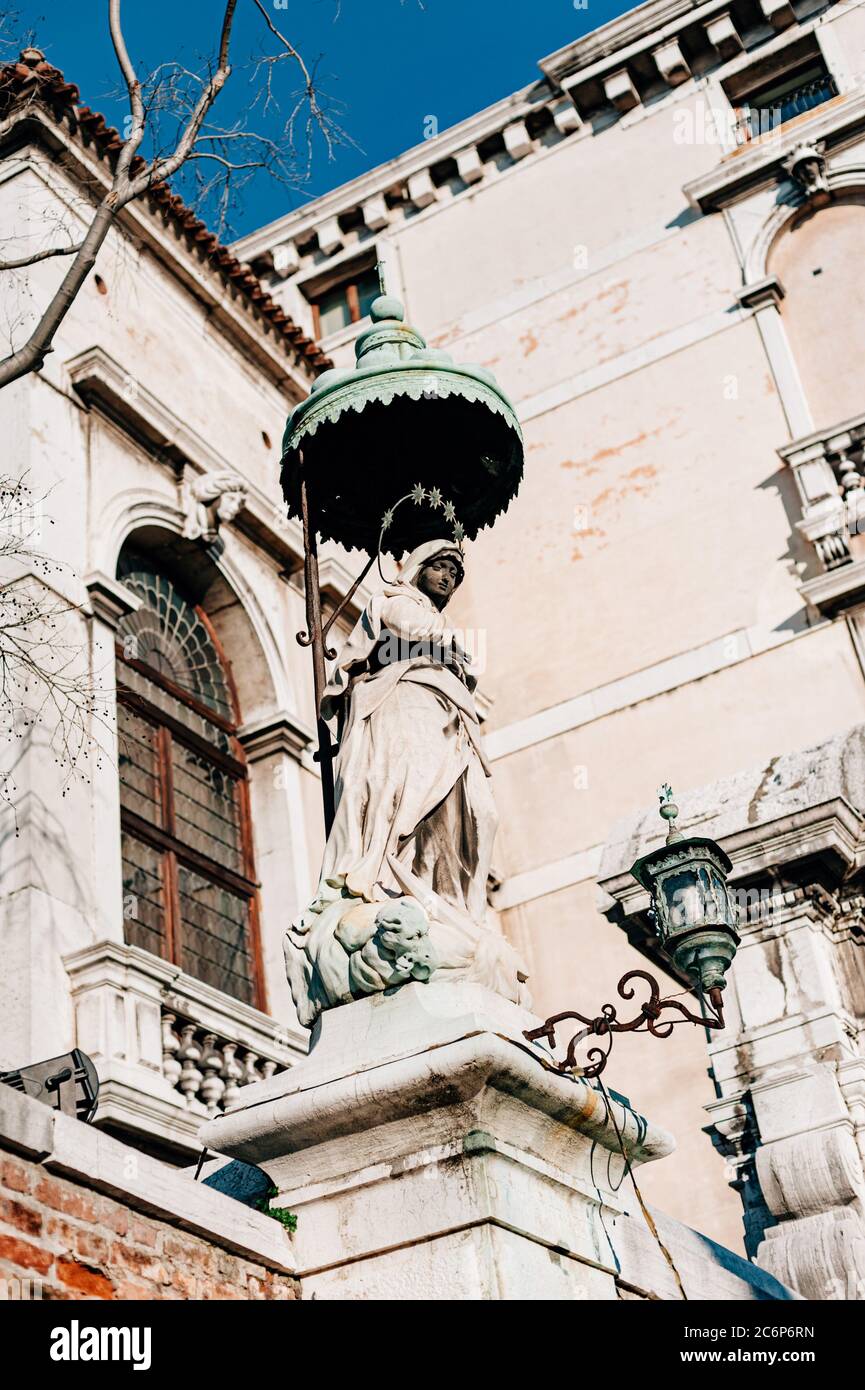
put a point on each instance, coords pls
(211, 499)
(402, 892)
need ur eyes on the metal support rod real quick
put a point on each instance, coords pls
(343, 604)
(314, 637)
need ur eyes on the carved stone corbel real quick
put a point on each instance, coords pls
(807, 168)
(210, 499)
(816, 1178)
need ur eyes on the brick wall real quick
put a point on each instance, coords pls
(85, 1216)
(72, 1242)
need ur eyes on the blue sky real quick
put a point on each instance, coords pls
(388, 63)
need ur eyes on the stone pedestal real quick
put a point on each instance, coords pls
(430, 1152)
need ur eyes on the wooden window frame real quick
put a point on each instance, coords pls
(350, 287)
(163, 838)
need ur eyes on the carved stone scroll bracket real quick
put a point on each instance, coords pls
(821, 1251)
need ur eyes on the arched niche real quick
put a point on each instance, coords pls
(817, 256)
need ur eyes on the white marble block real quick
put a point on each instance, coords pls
(425, 1148)
(430, 1153)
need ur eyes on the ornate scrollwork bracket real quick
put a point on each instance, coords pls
(606, 1024)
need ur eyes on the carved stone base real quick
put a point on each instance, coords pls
(429, 1153)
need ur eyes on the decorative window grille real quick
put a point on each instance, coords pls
(188, 876)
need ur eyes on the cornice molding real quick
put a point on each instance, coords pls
(277, 733)
(760, 163)
(35, 128)
(99, 380)
(110, 601)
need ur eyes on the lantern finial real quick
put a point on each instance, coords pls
(669, 810)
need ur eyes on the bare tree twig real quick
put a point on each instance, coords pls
(31, 355)
(46, 682)
(176, 94)
(22, 261)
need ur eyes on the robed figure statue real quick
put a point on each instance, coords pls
(402, 892)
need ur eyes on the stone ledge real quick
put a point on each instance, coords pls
(801, 799)
(86, 1155)
(393, 1057)
(836, 589)
(759, 163)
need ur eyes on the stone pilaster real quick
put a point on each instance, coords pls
(790, 1116)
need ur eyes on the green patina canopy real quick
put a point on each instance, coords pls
(407, 414)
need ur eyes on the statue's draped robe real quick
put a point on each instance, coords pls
(414, 811)
(411, 777)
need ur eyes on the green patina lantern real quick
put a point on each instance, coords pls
(694, 914)
(407, 422)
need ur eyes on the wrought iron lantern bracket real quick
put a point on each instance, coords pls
(607, 1023)
(695, 920)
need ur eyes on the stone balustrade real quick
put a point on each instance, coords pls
(209, 1069)
(829, 469)
(169, 1050)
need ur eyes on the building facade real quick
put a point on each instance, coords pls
(653, 247)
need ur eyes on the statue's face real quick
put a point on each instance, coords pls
(229, 505)
(438, 579)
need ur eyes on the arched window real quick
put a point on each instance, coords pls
(188, 877)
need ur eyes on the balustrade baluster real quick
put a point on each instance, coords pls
(171, 1068)
(250, 1074)
(189, 1054)
(212, 1087)
(202, 1066)
(232, 1073)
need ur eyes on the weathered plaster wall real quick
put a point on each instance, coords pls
(60, 850)
(655, 524)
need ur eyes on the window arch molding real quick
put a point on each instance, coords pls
(845, 182)
(264, 682)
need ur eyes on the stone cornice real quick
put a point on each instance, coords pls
(131, 968)
(836, 589)
(827, 440)
(590, 76)
(101, 381)
(833, 830)
(295, 226)
(48, 116)
(109, 600)
(643, 26)
(762, 293)
(86, 1154)
(640, 30)
(278, 733)
(759, 163)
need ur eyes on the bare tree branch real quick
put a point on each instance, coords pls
(46, 684)
(163, 169)
(235, 154)
(31, 355)
(35, 256)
